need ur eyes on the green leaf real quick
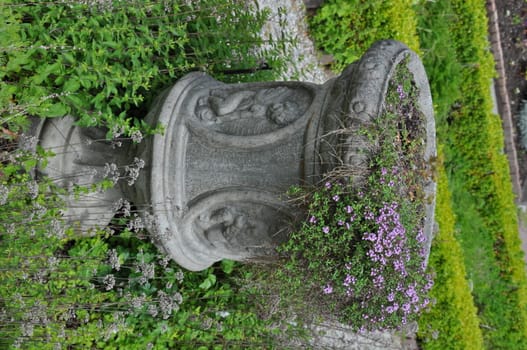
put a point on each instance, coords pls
(72, 85)
(208, 283)
(86, 81)
(56, 110)
(227, 266)
(69, 57)
(78, 101)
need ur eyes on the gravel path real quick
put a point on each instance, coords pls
(288, 19)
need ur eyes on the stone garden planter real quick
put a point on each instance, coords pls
(213, 184)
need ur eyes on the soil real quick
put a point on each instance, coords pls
(512, 20)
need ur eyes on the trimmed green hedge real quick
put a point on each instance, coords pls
(477, 165)
(452, 322)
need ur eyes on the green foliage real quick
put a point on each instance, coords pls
(480, 181)
(38, 285)
(452, 321)
(104, 62)
(435, 20)
(361, 248)
(346, 29)
(105, 291)
(176, 309)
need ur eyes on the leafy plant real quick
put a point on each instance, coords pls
(346, 29)
(112, 289)
(104, 62)
(361, 248)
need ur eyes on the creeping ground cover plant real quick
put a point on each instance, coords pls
(362, 250)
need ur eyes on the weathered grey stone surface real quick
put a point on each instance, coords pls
(231, 151)
(82, 157)
(214, 181)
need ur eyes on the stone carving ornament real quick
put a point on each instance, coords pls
(251, 112)
(213, 183)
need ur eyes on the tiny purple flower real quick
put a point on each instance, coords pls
(370, 236)
(328, 185)
(426, 301)
(312, 220)
(406, 307)
(340, 223)
(325, 229)
(400, 90)
(336, 198)
(349, 280)
(349, 209)
(378, 281)
(328, 289)
(421, 237)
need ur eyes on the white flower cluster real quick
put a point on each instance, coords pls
(109, 281)
(123, 206)
(168, 304)
(132, 171)
(111, 171)
(4, 194)
(113, 260)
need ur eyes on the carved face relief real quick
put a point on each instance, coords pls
(239, 230)
(251, 112)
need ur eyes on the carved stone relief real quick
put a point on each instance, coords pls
(213, 181)
(245, 228)
(251, 112)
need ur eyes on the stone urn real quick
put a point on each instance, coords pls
(213, 184)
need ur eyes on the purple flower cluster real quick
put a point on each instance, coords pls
(400, 91)
(389, 239)
(390, 255)
(384, 173)
(385, 269)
